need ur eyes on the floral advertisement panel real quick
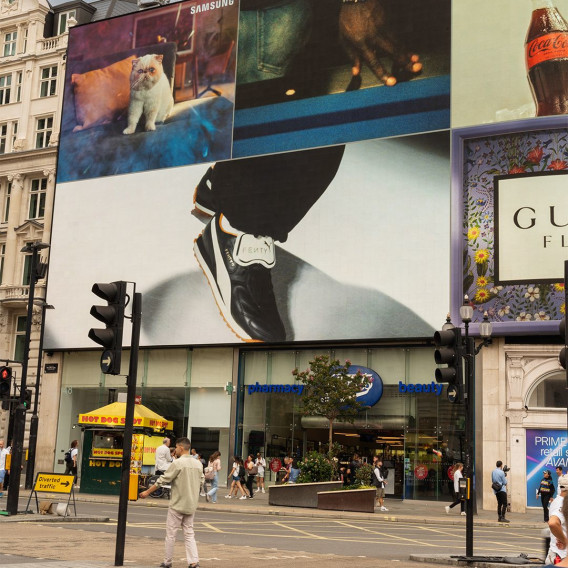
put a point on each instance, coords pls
(509, 234)
(149, 90)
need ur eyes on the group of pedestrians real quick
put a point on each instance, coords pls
(243, 475)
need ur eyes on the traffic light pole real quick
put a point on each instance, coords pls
(469, 435)
(128, 430)
(20, 413)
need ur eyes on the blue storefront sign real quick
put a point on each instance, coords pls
(546, 449)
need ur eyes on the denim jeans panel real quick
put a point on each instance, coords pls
(270, 38)
(213, 491)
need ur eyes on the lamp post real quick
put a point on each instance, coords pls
(36, 272)
(34, 422)
(485, 330)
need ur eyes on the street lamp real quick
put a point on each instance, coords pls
(34, 422)
(485, 330)
(37, 271)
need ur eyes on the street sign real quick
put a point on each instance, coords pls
(51, 367)
(275, 465)
(53, 483)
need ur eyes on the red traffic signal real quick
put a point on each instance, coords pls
(5, 382)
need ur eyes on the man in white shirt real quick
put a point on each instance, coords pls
(557, 523)
(163, 457)
(3, 453)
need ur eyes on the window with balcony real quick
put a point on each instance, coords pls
(5, 88)
(63, 21)
(9, 43)
(37, 198)
(48, 81)
(44, 127)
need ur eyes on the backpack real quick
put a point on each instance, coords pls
(209, 472)
(68, 458)
(374, 481)
(241, 471)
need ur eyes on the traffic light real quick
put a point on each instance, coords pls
(563, 351)
(449, 352)
(112, 315)
(5, 382)
(27, 399)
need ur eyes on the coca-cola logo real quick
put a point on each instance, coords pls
(544, 43)
(547, 47)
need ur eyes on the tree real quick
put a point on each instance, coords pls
(330, 391)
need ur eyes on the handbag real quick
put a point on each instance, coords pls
(209, 472)
(496, 486)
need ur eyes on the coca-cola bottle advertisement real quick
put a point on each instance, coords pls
(546, 49)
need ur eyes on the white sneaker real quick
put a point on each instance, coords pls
(228, 497)
(447, 507)
(243, 497)
(257, 490)
(263, 490)
(384, 509)
(462, 513)
(202, 494)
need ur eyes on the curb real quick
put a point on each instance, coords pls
(453, 560)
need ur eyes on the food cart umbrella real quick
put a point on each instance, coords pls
(113, 416)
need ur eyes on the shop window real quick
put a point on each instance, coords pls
(549, 393)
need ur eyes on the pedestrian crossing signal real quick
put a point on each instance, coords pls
(5, 382)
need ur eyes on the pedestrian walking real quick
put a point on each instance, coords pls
(185, 475)
(3, 453)
(545, 491)
(498, 484)
(294, 471)
(557, 524)
(379, 480)
(251, 471)
(237, 473)
(163, 457)
(71, 460)
(458, 474)
(261, 465)
(212, 475)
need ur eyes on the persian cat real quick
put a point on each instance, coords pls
(150, 93)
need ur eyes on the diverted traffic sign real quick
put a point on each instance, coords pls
(53, 483)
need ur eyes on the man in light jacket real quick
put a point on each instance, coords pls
(185, 475)
(498, 476)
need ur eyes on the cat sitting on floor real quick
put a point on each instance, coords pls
(150, 93)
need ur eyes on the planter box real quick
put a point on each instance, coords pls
(299, 494)
(361, 500)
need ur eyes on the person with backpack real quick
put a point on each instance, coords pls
(379, 480)
(212, 475)
(71, 459)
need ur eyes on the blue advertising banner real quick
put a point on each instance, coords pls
(546, 449)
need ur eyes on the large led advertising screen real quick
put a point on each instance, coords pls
(337, 242)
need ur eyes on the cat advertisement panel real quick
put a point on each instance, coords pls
(334, 243)
(509, 60)
(509, 238)
(152, 89)
(311, 73)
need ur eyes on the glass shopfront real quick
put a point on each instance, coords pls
(417, 432)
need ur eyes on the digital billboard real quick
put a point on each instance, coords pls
(509, 228)
(152, 89)
(340, 242)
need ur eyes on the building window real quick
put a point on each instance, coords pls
(37, 198)
(14, 133)
(64, 21)
(3, 137)
(25, 42)
(48, 81)
(5, 87)
(27, 270)
(549, 393)
(2, 255)
(19, 78)
(10, 39)
(20, 338)
(44, 127)
(7, 201)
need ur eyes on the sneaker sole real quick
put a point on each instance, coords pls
(221, 306)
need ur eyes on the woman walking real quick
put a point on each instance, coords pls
(457, 476)
(251, 470)
(545, 492)
(215, 465)
(235, 476)
(261, 465)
